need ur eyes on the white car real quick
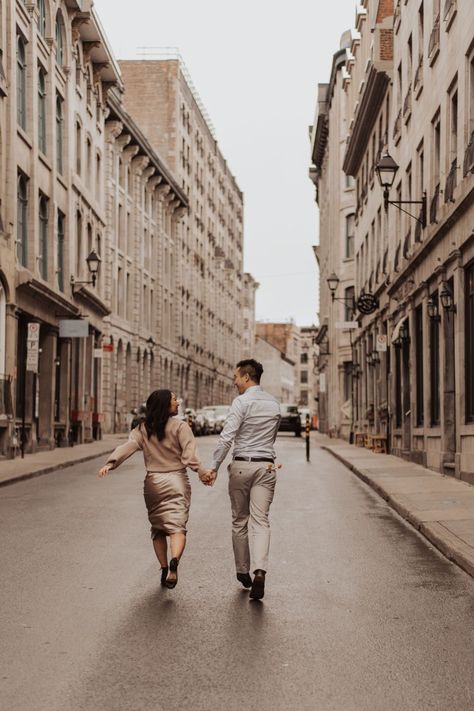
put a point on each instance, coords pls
(220, 414)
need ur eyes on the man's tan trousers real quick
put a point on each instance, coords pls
(251, 489)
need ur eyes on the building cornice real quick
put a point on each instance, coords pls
(376, 84)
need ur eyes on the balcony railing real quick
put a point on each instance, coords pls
(397, 127)
(451, 182)
(433, 45)
(397, 14)
(407, 105)
(6, 402)
(468, 164)
(450, 9)
(434, 205)
(418, 81)
(407, 245)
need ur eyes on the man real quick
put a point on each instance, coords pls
(252, 424)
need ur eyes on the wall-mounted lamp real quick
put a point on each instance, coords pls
(433, 311)
(386, 170)
(93, 264)
(446, 298)
(366, 303)
(151, 343)
(403, 335)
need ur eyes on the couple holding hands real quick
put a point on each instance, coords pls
(169, 447)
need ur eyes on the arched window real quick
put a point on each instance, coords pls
(42, 110)
(43, 237)
(59, 134)
(78, 244)
(22, 220)
(42, 17)
(59, 40)
(21, 81)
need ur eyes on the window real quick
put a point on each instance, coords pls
(434, 369)
(42, 17)
(98, 170)
(303, 358)
(89, 162)
(350, 222)
(78, 147)
(304, 377)
(3, 327)
(303, 397)
(22, 220)
(61, 220)
(347, 384)
(436, 148)
(398, 387)
(78, 244)
(349, 303)
(419, 365)
(59, 40)
(21, 81)
(453, 128)
(42, 110)
(470, 343)
(59, 134)
(471, 96)
(43, 236)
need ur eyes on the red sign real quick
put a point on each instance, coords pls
(108, 347)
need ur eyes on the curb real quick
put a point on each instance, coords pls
(446, 543)
(52, 468)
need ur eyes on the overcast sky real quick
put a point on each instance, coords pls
(256, 65)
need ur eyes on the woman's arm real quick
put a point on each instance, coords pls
(189, 453)
(123, 452)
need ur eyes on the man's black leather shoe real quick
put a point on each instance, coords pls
(245, 579)
(258, 585)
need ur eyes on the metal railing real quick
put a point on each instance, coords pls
(468, 163)
(434, 205)
(418, 80)
(397, 126)
(448, 6)
(407, 103)
(434, 38)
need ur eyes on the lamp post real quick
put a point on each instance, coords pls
(386, 170)
(93, 262)
(446, 298)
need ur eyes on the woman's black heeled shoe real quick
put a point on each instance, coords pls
(172, 578)
(164, 575)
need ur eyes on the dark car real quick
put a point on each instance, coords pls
(290, 419)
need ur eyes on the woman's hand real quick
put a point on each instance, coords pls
(208, 478)
(105, 470)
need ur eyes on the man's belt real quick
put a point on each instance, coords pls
(254, 459)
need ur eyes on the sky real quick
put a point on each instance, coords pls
(256, 65)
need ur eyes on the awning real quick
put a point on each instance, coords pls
(396, 330)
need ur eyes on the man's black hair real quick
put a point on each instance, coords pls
(252, 368)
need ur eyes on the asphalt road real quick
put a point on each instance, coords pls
(361, 613)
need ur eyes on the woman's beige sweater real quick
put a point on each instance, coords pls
(175, 452)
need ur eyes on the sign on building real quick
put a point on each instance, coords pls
(347, 324)
(73, 328)
(32, 347)
(381, 343)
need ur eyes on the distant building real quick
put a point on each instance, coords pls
(278, 371)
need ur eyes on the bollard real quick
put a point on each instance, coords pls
(307, 429)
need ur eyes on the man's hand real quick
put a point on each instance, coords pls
(209, 477)
(105, 470)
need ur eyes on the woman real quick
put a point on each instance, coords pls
(168, 447)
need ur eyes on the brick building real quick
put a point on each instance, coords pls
(209, 318)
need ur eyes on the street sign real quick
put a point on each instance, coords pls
(347, 324)
(367, 304)
(381, 344)
(73, 328)
(97, 352)
(32, 347)
(108, 347)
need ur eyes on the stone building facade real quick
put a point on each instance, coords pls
(209, 284)
(278, 370)
(57, 69)
(335, 196)
(418, 388)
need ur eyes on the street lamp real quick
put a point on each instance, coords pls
(333, 283)
(93, 264)
(386, 170)
(446, 299)
(433, 312)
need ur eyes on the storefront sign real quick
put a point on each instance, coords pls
(97, 352)
(322, 382)
(73, 328)
(347, 324)
(108, 348)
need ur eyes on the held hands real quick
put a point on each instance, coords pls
(105, 470)
(209, 477)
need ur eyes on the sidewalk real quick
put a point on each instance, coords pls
(440, 507)
(13, 470)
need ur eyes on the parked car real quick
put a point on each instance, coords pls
(189, 416)
(220, 414)
(290, 419)
(206, 421)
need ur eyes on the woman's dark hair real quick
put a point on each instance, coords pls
(157, 413)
